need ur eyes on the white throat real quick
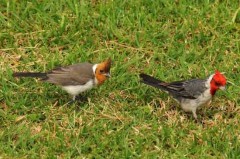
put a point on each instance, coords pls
(207, 84)
(94, 72)
(94, 68)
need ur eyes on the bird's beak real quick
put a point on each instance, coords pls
(107, 75)
(222, 87)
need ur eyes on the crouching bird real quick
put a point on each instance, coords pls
(191, 94)
(76, 78)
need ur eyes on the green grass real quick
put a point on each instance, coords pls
(123, 118)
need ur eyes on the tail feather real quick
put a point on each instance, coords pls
(30, 74)
(176, 89)
(149, 80)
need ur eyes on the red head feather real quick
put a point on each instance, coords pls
(218, 80)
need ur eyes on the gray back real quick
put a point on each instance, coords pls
(77, 74)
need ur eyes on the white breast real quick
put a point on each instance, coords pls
(77, 89)
(189, 104)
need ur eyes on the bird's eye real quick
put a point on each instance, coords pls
(101, 71)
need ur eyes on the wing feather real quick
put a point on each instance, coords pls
(77, 74)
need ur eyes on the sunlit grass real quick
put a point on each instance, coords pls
(172, 40)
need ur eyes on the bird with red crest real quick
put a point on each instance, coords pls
(191, 94)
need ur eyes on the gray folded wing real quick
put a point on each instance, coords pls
(190, 89)
(195, 87)
(77, 74)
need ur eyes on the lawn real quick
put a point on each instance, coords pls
(123, 118)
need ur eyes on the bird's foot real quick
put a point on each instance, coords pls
(71, 102)
(80, 98)
(196, 120)
(77, 99)
(199, 120)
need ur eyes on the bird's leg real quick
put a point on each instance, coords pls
(72, 101)
(195, 114)
(81, 98)
(74, 97)
(77, 99)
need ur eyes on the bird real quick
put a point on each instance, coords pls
(76, 78)
(190, 94)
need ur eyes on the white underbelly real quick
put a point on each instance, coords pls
(77, 89)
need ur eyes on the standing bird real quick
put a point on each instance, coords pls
(76, 78)
(192, 93)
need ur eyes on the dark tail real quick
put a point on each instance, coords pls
(176, 89)
(149, 80)
(30, 74)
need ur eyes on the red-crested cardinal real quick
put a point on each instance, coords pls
(191, 94)
(76, 78)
